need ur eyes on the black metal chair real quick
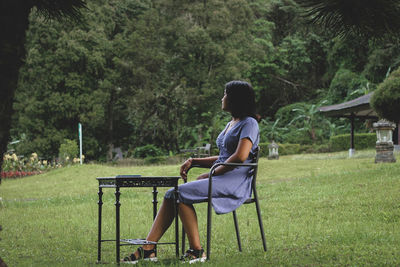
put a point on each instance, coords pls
(253, 199)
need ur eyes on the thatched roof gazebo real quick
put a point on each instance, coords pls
(356, 108)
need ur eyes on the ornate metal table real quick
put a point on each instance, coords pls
(120, 181)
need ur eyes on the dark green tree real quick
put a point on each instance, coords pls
(386, 98)
(382, 59)
(152, 72)
(347, 85)
(14, 23)
(14, 20)
(184, 53)
(71, 75)
(295, 58)
(135, 73)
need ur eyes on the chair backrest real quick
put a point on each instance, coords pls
(256, 155)
(204, 150)
(253, 171)
(207, 147)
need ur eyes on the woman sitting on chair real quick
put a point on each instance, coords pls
(231, 186)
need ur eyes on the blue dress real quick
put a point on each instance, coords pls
(232, 188)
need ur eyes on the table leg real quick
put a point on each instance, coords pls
(155, 192)
(155, 202)
(100, 203)
(176, 222)
(117, 222)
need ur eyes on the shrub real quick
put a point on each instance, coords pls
(263, 149)
(291, 149)
(323, 148)
(284, 149)
(147, 151)
(361, 141)
(385, 100)
(68, 150)
(155, 160)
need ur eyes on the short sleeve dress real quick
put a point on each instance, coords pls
(233, 188)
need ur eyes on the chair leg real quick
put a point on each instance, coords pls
(260, 220)
(237, 230)
(208, 230)
(183, 240)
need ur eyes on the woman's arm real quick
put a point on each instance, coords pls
(241, 154)
(204, 162)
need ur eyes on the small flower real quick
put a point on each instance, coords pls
(44, 162)
(14, 157)
(33, 157)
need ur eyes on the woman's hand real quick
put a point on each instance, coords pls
(185, 166)
(203, 176)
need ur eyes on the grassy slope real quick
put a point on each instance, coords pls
(317, 210)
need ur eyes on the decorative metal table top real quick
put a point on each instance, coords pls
(138, 181)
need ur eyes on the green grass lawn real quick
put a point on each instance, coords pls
(321, 209)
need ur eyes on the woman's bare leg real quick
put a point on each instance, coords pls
(188, 217)
(165, 217)
(163, 220)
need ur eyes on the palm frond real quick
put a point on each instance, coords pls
(60, 8)
(372, 18)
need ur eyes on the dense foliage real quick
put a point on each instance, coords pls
(362, 141)
(386, 99)
(68, 151)
(15, 14)
(140, 72)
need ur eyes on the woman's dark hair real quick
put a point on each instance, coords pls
(241, 99)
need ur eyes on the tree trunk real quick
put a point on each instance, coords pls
(2, 263)
(313, 135)
(110, 125)
(13, 25)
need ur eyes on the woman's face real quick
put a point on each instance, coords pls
(224, 101)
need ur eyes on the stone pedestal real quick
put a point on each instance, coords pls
(384, 144)
(274, 156)
(273, 150)
(384, 153)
